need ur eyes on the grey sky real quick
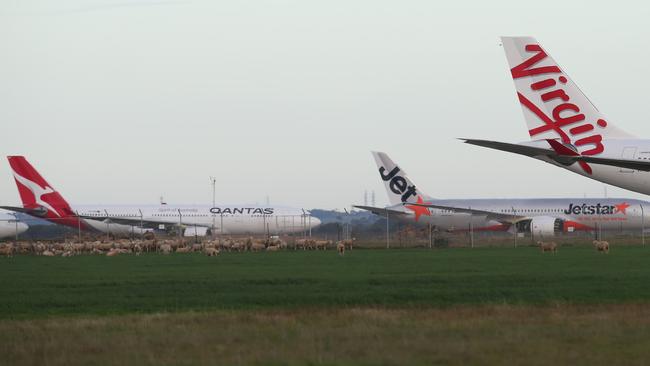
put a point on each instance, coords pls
(121, 101)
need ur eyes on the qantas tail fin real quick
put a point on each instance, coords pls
(553, 105)
(35, 192)
(399, 187)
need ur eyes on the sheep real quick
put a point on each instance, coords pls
(322, 244)
(348, 243)
(255, 247)
(238, 246)
(25, 248)
(112, 253)
(104, 246)
(48, 253)
(78, 248)
(7, 250)
(137, 249)
(165, 249)
(183, 249)
(547, 246)
(273, 248)
(40, 248)
(340, 248)
(197, 247)
(211, 252)
(300, 243)
(601, 246)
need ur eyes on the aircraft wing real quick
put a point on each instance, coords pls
(531, 151)
(381, 211)
(491, 215)
(562, 153)
(134, 221)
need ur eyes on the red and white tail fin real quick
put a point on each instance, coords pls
(553, 105)
(35, 192)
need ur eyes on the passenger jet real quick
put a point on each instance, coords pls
(565, 128)
(543, 217)
(41, 200)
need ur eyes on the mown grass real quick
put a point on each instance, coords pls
(392, 307)
(477, 335)
(85, 285)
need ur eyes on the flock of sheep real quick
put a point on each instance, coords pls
(210, 248)
(551, 246)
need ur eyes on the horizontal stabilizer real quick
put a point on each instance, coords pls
(526, 150)
(560, 153)
(15, 209)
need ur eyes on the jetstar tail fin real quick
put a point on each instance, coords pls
(399, 187)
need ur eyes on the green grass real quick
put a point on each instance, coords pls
(89, 285)
(487, 306)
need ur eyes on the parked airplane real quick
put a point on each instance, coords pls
(41, 200)
(539, 216)
(10, 226)
(566, 129)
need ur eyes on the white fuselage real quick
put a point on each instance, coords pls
(576, 213)
(631, 149)
(10, 226)
(228, 220)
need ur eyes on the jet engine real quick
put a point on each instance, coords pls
(545, 226)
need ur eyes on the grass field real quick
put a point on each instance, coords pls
(458, 306)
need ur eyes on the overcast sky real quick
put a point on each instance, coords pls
(122, 101)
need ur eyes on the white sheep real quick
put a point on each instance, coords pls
(550, 246)
(340, 248)
(601, 246)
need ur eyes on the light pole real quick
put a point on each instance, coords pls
(514, 225)
(108, 228)
(221, 214)
(180, 226)
(387, 230)
(213, 180)
(642, 226)
(471, 229)
(141, 225)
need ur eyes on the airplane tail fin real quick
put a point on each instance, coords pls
(36, 193)
(399, 187)
(553, 105)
